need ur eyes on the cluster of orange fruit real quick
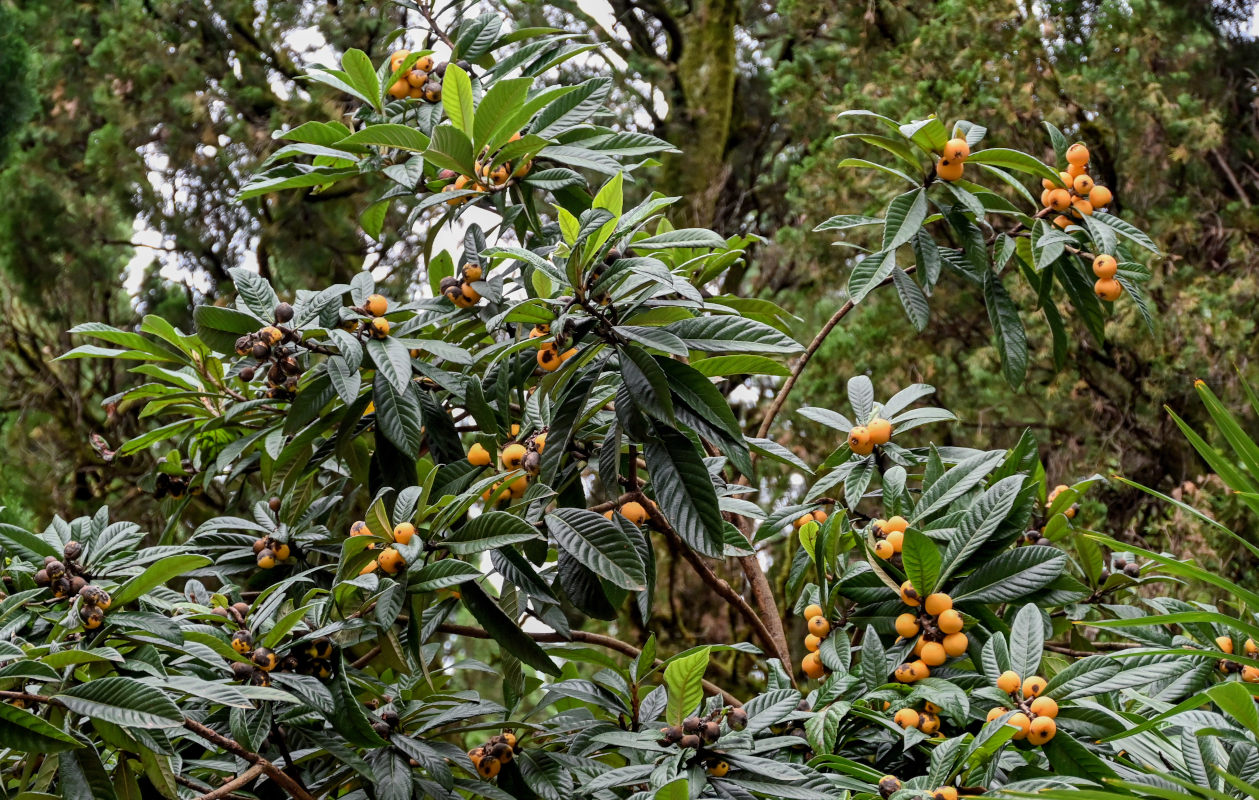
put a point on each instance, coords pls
(862, 439)
(1225, 645)
(375, 307)
(941, 637)
(927, 720)
(819, 629)
(514, 455)
(549, 356)
(487, 176)
(890, 536)
(952, 160)
(269, 552)
(1033, 714)
(459, 290)
(421, 82)
(1078, 196)
(818, 516)
(490, 757)
(1107, 288)
(389, 561)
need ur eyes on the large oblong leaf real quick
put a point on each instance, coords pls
(685, 491)
(490, 531)
(1011, 575)
(504, 629)
(714, 334)
(123, 701)
(157, 574)
(25, 732)
(599, 544)
(904, 218)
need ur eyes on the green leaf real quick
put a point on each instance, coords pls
(1013, 159)
(685, 491)
(869, 273)
(123, 701)
(389, 134)
(682, 237)
(392, 360)
(684, 682)
(929, 134)
(1067, 757)
(904, 218)
(1127, 230)
(1011, 338)
(27, 733)
(598, 544)
(912, 299)
(442, 574)
(846, 221)
(980, 521)
(922, 560)
(362, 75)
(722, 366)
(457, 99)
(1012, 575)
(1027, 641)
(158, 574)
(647, 383)
(497, 107)
(397, 415)
(489, 531)
(504, 629)
(714, 334)
(348, 716)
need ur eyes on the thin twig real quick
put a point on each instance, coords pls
(781, 397)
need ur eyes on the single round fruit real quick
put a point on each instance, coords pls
(889, 785)
(907, 625)
(1082, 206)
(512, 456)
(399, 89)
(996, 713)
(931, 707)
(1019, 720)
(933, 654)
(937, 603)
(390, 561)
(800, 522)
(859, 440)
(539, 441)
(880, 430)
(918, 645)
(896, 523)
(472, 272)
(1104, 267)
(360, 528)
(1062, 221)
(376, 305)
(1075, 170)
(956, 644)
(1108, 290)
(1044, 707)
(884, 549)
(243, 642)
(1250, 674)
(738, 719)
(813, 610)
(812, 666)
(907, 718)
(819, 516)
(92, 617)
(1009, 681)
(403, 532)
(518, 487)
(380, 327)
(265, 659)
(949, 170)
(549, 357)
(819, 627)
(956, 149)
(1224, 644)
(371, 566)
(1082, 184)
(812, 643)
(1077, 154)
(1251, 648)
(944, 793)
(488, 767)
(1100, 196)
(1034, 686)
(1059, 199)
(950, 620)
(719, 769)
(478, 456)
(266, 558)
(470, 295)
(281, 550)
(1041, 730)
(1044, 197)
(908, 596)
(634, 512)
(929, 724)
(897, 540)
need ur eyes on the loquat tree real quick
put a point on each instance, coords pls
(508, 452)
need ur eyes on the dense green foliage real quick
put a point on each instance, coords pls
(469, 524)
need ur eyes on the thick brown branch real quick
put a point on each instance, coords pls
(240, 780)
